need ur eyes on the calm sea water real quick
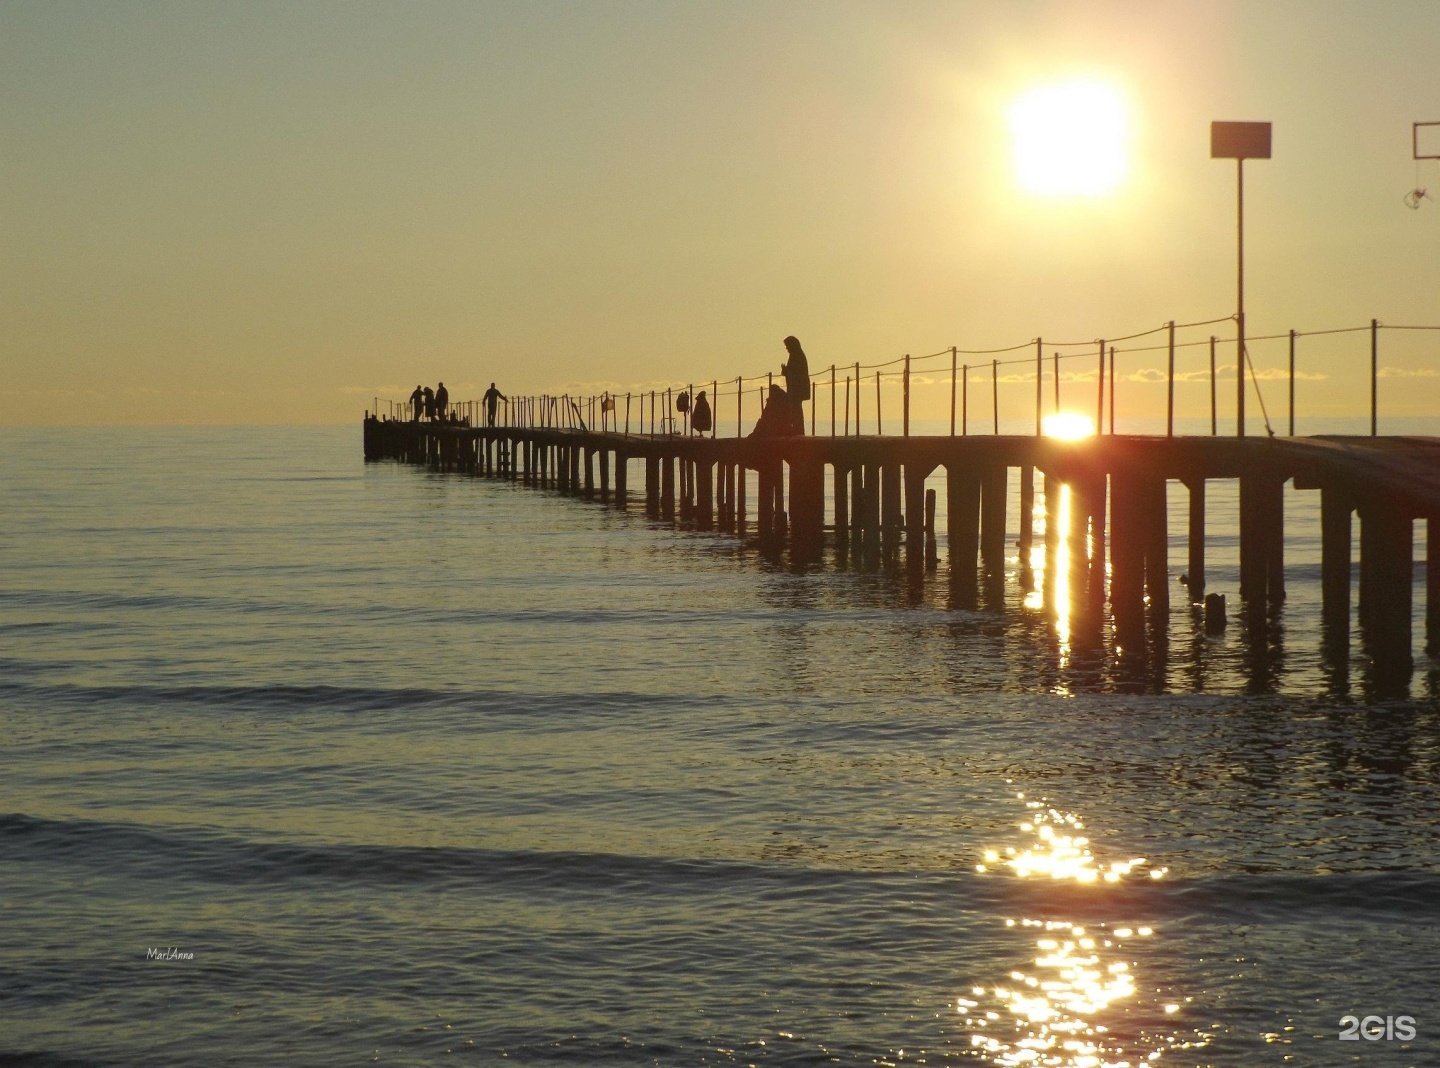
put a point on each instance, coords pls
(421, 769)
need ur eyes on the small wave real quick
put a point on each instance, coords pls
(349, 699)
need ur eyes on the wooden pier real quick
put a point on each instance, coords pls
(773, 491)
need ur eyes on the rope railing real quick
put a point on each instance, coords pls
(657, 411)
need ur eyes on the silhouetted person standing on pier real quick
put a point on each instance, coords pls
(797, 379)
(700, 420)
(429, 403)
(492, 398)
(442, 402)
(417, 403)
(781, 417)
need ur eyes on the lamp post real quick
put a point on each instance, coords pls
(1240, 141)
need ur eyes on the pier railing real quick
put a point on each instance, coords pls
(861, 399)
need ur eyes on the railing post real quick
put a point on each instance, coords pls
(879, 423)
(1112, 391)
(847, 406)
(1056, 368)
(1100, 398)
(1170, 386)
(965, 400)
(905, 404)
(832, 400)
(995, 392)
(857, 398)
(1214, 411)
(1292, 383)
(954, 355)
(1374, 376)
(740, 407)
(1039, 381)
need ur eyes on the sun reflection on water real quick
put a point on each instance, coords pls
(1079, 1005)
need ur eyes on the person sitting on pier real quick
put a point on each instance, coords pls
(442, 402)
(429, 404)
(797, 379)
(700, 420)
(417, 403)
(781, 417)
(492, 399)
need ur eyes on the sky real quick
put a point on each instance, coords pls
(274, 213)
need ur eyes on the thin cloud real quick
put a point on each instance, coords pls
(1408, 372)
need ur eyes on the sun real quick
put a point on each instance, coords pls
(1071, 138)
(1068, 426)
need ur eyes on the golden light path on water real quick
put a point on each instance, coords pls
(1079, 1006)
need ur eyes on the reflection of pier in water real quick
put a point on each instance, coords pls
(1109, 492)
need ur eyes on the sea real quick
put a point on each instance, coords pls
(313, 762)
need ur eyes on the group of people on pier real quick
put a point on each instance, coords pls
(433, 405)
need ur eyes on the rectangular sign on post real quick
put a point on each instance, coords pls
(1239, 140)
(1426, 137)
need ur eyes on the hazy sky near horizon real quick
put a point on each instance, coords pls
(258, 212)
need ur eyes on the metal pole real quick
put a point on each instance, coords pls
(1214, 411)
(1057, 381)
(1374, 376)
(1170, 387)
(832, 400)
(627, 415)
(905, 411)
(995, 392)
(1292, 383)
(965, 400)
(847, 406)
(1240, 298)
(1112, 391)
(1039, 381)
(739, 407)
(954, 354)
(857, 398)
(879, 426)
(1100, 392)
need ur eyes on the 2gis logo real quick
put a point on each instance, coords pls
(1376, 1028)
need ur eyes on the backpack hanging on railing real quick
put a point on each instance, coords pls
(682, 403)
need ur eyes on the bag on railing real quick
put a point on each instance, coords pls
(682, 403)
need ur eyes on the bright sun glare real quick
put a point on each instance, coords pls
(1071, 138)
(1068, 426)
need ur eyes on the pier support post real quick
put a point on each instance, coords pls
(589, 462)
(667, 487)
(1432, 585)
(740, 480)
(1027, 526)
(704, 495)
(768, 474)
(1262, 539)
(622, 462)
(1195, 540)
(1157, 553)
(962, 520)
(890, 517)
(915, 516)
(1050, 486)
(807, 510)
(869, 503)
(1127, 564)
(841, 485)
(652, 486)
(1386, 546)
(992, 524)
(603, 460)
(1335, 509)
